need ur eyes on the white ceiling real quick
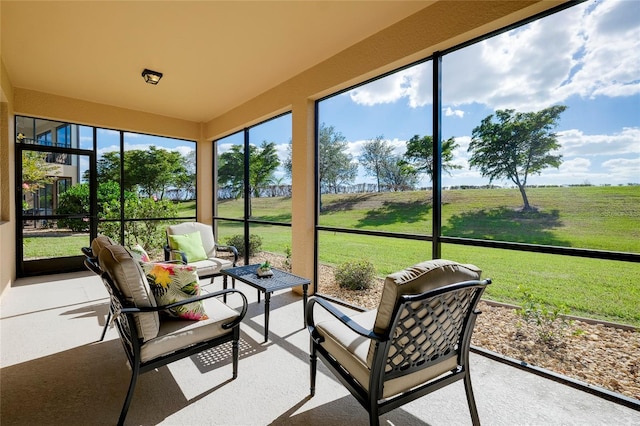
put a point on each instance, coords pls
(215, 55)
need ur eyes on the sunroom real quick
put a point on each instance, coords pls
(413, 80)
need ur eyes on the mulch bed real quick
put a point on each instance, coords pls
(597, 354)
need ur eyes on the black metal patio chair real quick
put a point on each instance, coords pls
(415, 342)
(149, 339)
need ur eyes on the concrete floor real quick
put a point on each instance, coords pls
(53, 372)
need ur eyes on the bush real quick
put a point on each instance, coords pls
(148, 232)
(550, 323)
(356, 275)
(255, 243)
(75, 200)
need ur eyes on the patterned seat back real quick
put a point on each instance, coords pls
(429, 331)
(416, 280)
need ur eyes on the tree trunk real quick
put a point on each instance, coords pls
(525, 200)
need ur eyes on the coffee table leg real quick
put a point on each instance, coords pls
(304, 306)
(224, 286)
(267, 301)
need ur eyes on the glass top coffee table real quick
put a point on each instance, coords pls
(278, 281)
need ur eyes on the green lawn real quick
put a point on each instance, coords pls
(603, 218)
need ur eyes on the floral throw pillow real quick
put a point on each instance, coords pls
(139, 253)
(172, 283)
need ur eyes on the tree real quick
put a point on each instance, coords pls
(186, 183)
(335, 167)
(263, 162)
(419, 155)
(152, 171)
(516, 146)
(376, 154)
(231, 170)
(36, 172)
(107, 169)
(397, 175)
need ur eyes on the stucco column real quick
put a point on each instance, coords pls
(302, 192)
(205, 185)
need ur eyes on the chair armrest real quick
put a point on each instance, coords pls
(231, 249)
(339, 315)
(243, 311)
(168, 251)
(87, 251)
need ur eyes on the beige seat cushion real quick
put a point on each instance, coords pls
(99, 243)
(130, 279)
(206, 233)
(417, 279)
(177, 334)
(212, 265)
(350, 350)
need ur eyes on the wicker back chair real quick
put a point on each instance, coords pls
(415, 342)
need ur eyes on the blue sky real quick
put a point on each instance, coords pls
(586, 57)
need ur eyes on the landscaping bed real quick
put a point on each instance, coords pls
(601, 355)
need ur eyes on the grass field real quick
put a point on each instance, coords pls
(602, 218)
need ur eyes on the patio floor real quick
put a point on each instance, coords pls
(54, 372)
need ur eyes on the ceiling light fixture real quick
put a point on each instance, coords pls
(151, 77)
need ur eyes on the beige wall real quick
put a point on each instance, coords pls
(7, 180)
(435, 28)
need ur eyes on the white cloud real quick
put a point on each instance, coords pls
(385, 90)
(576, 165)
(584, 51)
(623, 169)
(413, 83)
(575, 142)
(355, 147)
(448, 111)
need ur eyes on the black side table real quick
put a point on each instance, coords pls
(278, 281)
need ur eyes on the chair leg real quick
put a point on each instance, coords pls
(235, 350)
(135, 370)
(313, 363)
(473, 410)
(374, 413)
(224, 286)
(374, 420)
(106, 326)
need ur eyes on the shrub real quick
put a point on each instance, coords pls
(356, 275)
(75, 200)
(149, 233)
(287, 261)
(255, 243)
(551, 323)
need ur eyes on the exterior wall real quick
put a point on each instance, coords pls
(7, 183)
